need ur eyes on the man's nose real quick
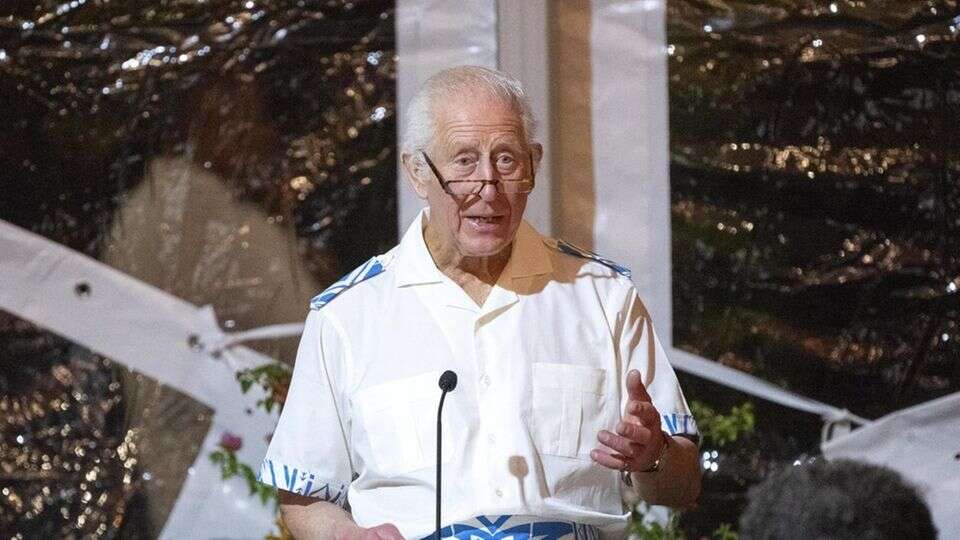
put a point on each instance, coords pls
(488, 172)
(488, 192)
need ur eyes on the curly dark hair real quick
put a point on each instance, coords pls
(836, 500)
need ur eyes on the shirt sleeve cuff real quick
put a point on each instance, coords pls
(680, 424)
(301, 482)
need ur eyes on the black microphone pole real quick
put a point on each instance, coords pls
(448, 381)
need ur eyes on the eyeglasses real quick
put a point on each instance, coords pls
(464, 188)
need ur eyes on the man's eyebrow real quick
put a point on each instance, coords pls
(515, 146)
(464, 147)
(467, 143)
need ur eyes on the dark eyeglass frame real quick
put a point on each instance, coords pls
(444, 184)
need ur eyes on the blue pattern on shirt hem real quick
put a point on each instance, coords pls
(493, 528)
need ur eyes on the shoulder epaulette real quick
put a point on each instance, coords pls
(570, 249)
(374, 266)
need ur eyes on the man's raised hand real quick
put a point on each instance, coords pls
(638, 439)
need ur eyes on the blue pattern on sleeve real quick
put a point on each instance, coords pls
(679, 424)
(571, 249)
(301, 482)
(363, 272)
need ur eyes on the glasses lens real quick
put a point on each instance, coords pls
(464, 187)
(515, 186)
(468, 187)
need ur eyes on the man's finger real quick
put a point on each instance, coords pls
(635, 388)
(608, 459)
(620, 443)
(387, 531)
(636, 433)
(644, 412)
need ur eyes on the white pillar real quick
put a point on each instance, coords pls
(631, 145)
(433, 35)
(524, 53)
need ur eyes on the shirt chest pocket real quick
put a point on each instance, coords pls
(399, 419)
(568, 406)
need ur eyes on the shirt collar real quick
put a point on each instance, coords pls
(529, 256)
(415, 266)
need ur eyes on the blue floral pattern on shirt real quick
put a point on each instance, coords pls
(500, 528)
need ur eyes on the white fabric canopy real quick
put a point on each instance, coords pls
(160, 336)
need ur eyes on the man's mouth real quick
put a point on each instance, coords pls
(484, 223)
(485, 219)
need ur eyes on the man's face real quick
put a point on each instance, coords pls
(478, 137)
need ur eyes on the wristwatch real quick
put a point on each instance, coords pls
(655, 466)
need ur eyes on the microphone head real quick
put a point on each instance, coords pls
(448, 381)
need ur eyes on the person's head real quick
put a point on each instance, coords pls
(471, 123)
(836, 500)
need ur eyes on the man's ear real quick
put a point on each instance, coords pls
(415, 170)
(536, 149)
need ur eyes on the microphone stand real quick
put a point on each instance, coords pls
(448, 381)
(439, 458)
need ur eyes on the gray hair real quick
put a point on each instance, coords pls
(420, 122)
(836, 499)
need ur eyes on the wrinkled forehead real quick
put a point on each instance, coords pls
(475, 115)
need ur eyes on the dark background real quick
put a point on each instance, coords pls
(814, 163)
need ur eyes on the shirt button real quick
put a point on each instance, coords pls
(485, 380)
(499, 493)
(491, 438)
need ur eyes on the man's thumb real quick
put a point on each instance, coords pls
(388, 532)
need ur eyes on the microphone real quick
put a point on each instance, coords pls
(448, 381)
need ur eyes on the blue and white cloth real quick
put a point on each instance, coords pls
(365, 271)
(517, 528)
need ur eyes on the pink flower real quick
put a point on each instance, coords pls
(230, 442)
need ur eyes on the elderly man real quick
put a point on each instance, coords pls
(566, 407)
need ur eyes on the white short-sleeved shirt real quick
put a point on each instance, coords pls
(541, 368)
